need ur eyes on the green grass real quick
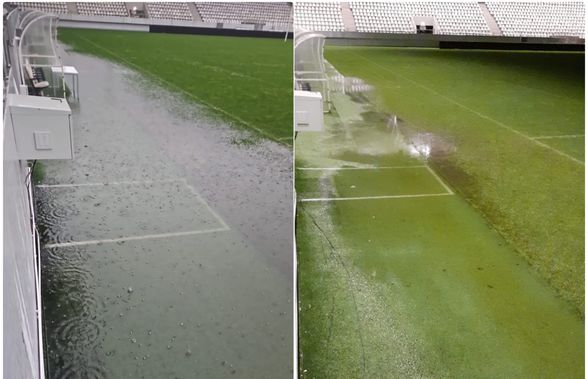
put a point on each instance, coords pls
(248, 81)
(476, 100)
(39, 173)
(486, 283)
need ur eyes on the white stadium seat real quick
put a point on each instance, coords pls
(538, 19)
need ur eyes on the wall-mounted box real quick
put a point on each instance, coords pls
(308, 109)
(42, 127)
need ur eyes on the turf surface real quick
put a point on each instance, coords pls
(490, 106)
(246, 80)
(455, 286)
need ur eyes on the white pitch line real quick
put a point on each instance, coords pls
(128, 182)
(374, 197)
(356, 168)
(502, 125)
(440, 180)
(563, 136)
(216, 215)
(135, 238)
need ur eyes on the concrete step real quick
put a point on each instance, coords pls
(194, 11)
(492, 24)
(72, 8)
(348, 20)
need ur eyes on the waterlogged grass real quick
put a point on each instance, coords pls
(399, 295)
(415, 286)
(39, 173)
(248, 81)
(489, 106)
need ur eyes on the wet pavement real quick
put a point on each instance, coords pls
(167, 240)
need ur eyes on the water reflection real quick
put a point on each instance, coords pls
(378, 133)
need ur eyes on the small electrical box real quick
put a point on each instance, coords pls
(42, 127)
(308, 108)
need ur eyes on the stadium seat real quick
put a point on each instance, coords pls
(103, 9)
(398, 17)
(169, 11)
(36, 82)
(277, 14)
(318, 16)
(48, 7)
(537, 19)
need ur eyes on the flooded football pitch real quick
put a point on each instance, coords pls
(167, 241)
(399, 276)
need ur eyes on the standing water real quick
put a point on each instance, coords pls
(166, 241)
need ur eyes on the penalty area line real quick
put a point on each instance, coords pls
(311, 200)
(563, 136)
(203, 202)
(135, 238)
(449, 191)
(356, 168)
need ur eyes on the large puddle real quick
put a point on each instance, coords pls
(167, 240)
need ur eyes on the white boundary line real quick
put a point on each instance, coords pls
(224, 227)
(374, 197)
(475, 112)
(356, 168)
(439, 180)
(216, 215)
(564, 136)
(135, 238)
(429, 169)
(126, 182)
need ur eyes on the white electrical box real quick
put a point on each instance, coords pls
(308, 108)
(42, 127)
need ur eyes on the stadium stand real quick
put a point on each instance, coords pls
(539, 19)
(103, 9)
(169, 11)
(452, 18)
(258, 13)
(319, 17)
(49, 7)
(511, 19)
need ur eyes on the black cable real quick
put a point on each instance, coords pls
(339, 259)
(30, 174)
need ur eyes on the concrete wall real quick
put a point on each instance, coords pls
(435, 40)
(21, 348)
(142, 24)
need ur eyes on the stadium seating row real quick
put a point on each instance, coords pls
(103, 9)
(318, 16)
(452, 18)
(252, 12)
(531, 19)
(169, 11)
(215, 12)
(515, 19)
(539, 19)
(52, 7)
